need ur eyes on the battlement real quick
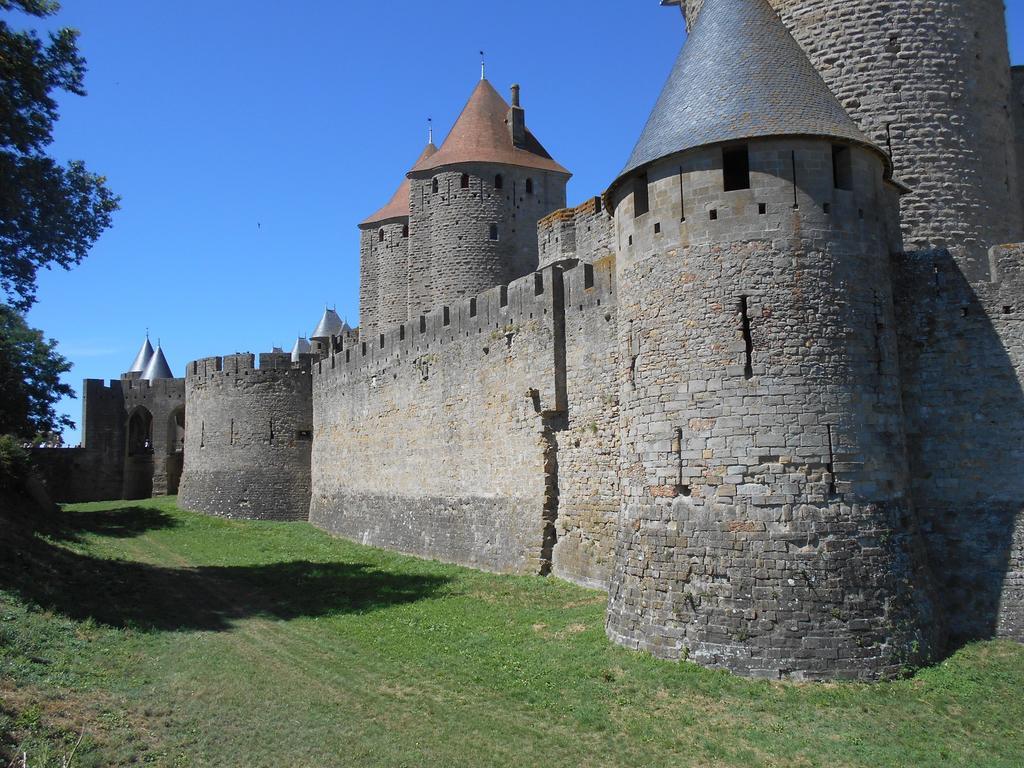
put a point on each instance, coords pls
(491, 316)
(584, 233)
(271, 364)
(141, 389)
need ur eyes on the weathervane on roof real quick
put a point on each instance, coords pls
(430, 130)
(483, 66)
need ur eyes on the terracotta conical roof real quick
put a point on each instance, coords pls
(481, 134)
(142, 359)
(157, 367)
(398, 206)
(741, 75)
(330, 325)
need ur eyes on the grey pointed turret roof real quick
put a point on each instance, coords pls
(157, 368)
(330, 325)
(741, 75)
(142, 359)
(301, 347)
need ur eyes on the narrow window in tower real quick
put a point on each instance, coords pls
(434, 186)
(380, 235)
(529, 186)
(231, 434)
(641, 196)
(736, 168)
(271, 430)
(842, 167)
(464, 181)
(499, 182)
(202, 434)
(748, 341)
(494, 232)
(405, 230)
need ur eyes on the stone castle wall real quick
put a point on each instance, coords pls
(156, 472)
(247, 448)
(931, 79)
(451, 253)
(588, 448)
(584, 233)
(436, 438)
(766, 524)
(368, 286)
(962, 359)
(1017, 107)
(481, 433)
(384, 259)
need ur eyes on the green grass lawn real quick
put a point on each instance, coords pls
(175, 639)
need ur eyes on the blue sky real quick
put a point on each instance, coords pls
(247, 142)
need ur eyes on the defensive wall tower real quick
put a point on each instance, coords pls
(929, 81)
(384, 259)
(475, 204)
(766, 527)
(250, 433)
(330, 325)
(584, 233)
(154, 424)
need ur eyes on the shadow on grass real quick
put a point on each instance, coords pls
(120, 593)
(119, 523)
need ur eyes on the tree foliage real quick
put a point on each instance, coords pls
(30, 371)
(50, 214)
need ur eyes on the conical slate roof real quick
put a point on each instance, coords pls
(481, 134)
(398, 206)
(330, 325)
(157, 368)
(741, 75)
(142, 359)
(301, 347)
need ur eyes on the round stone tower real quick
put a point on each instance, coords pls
(475, 204)
(249, 437)
(384, 259)
(929, 82)
(766, 527)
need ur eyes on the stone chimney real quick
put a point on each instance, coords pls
(517, 120)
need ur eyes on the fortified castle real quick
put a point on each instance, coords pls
(767, 390)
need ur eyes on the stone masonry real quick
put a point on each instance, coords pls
(929, 82)
(781, 424)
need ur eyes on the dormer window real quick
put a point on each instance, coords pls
(736, 168)
(464, 181)
(499, 182)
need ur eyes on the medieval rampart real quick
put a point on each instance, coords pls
(962, 361)
(445, 437)
(584, 233)
(588, 448)
(250, 433)
(1017, 107)
(154, 439)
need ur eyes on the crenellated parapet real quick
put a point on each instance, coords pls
(249, 438)
(583, 233)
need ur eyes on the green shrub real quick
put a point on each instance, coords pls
(14, 462)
